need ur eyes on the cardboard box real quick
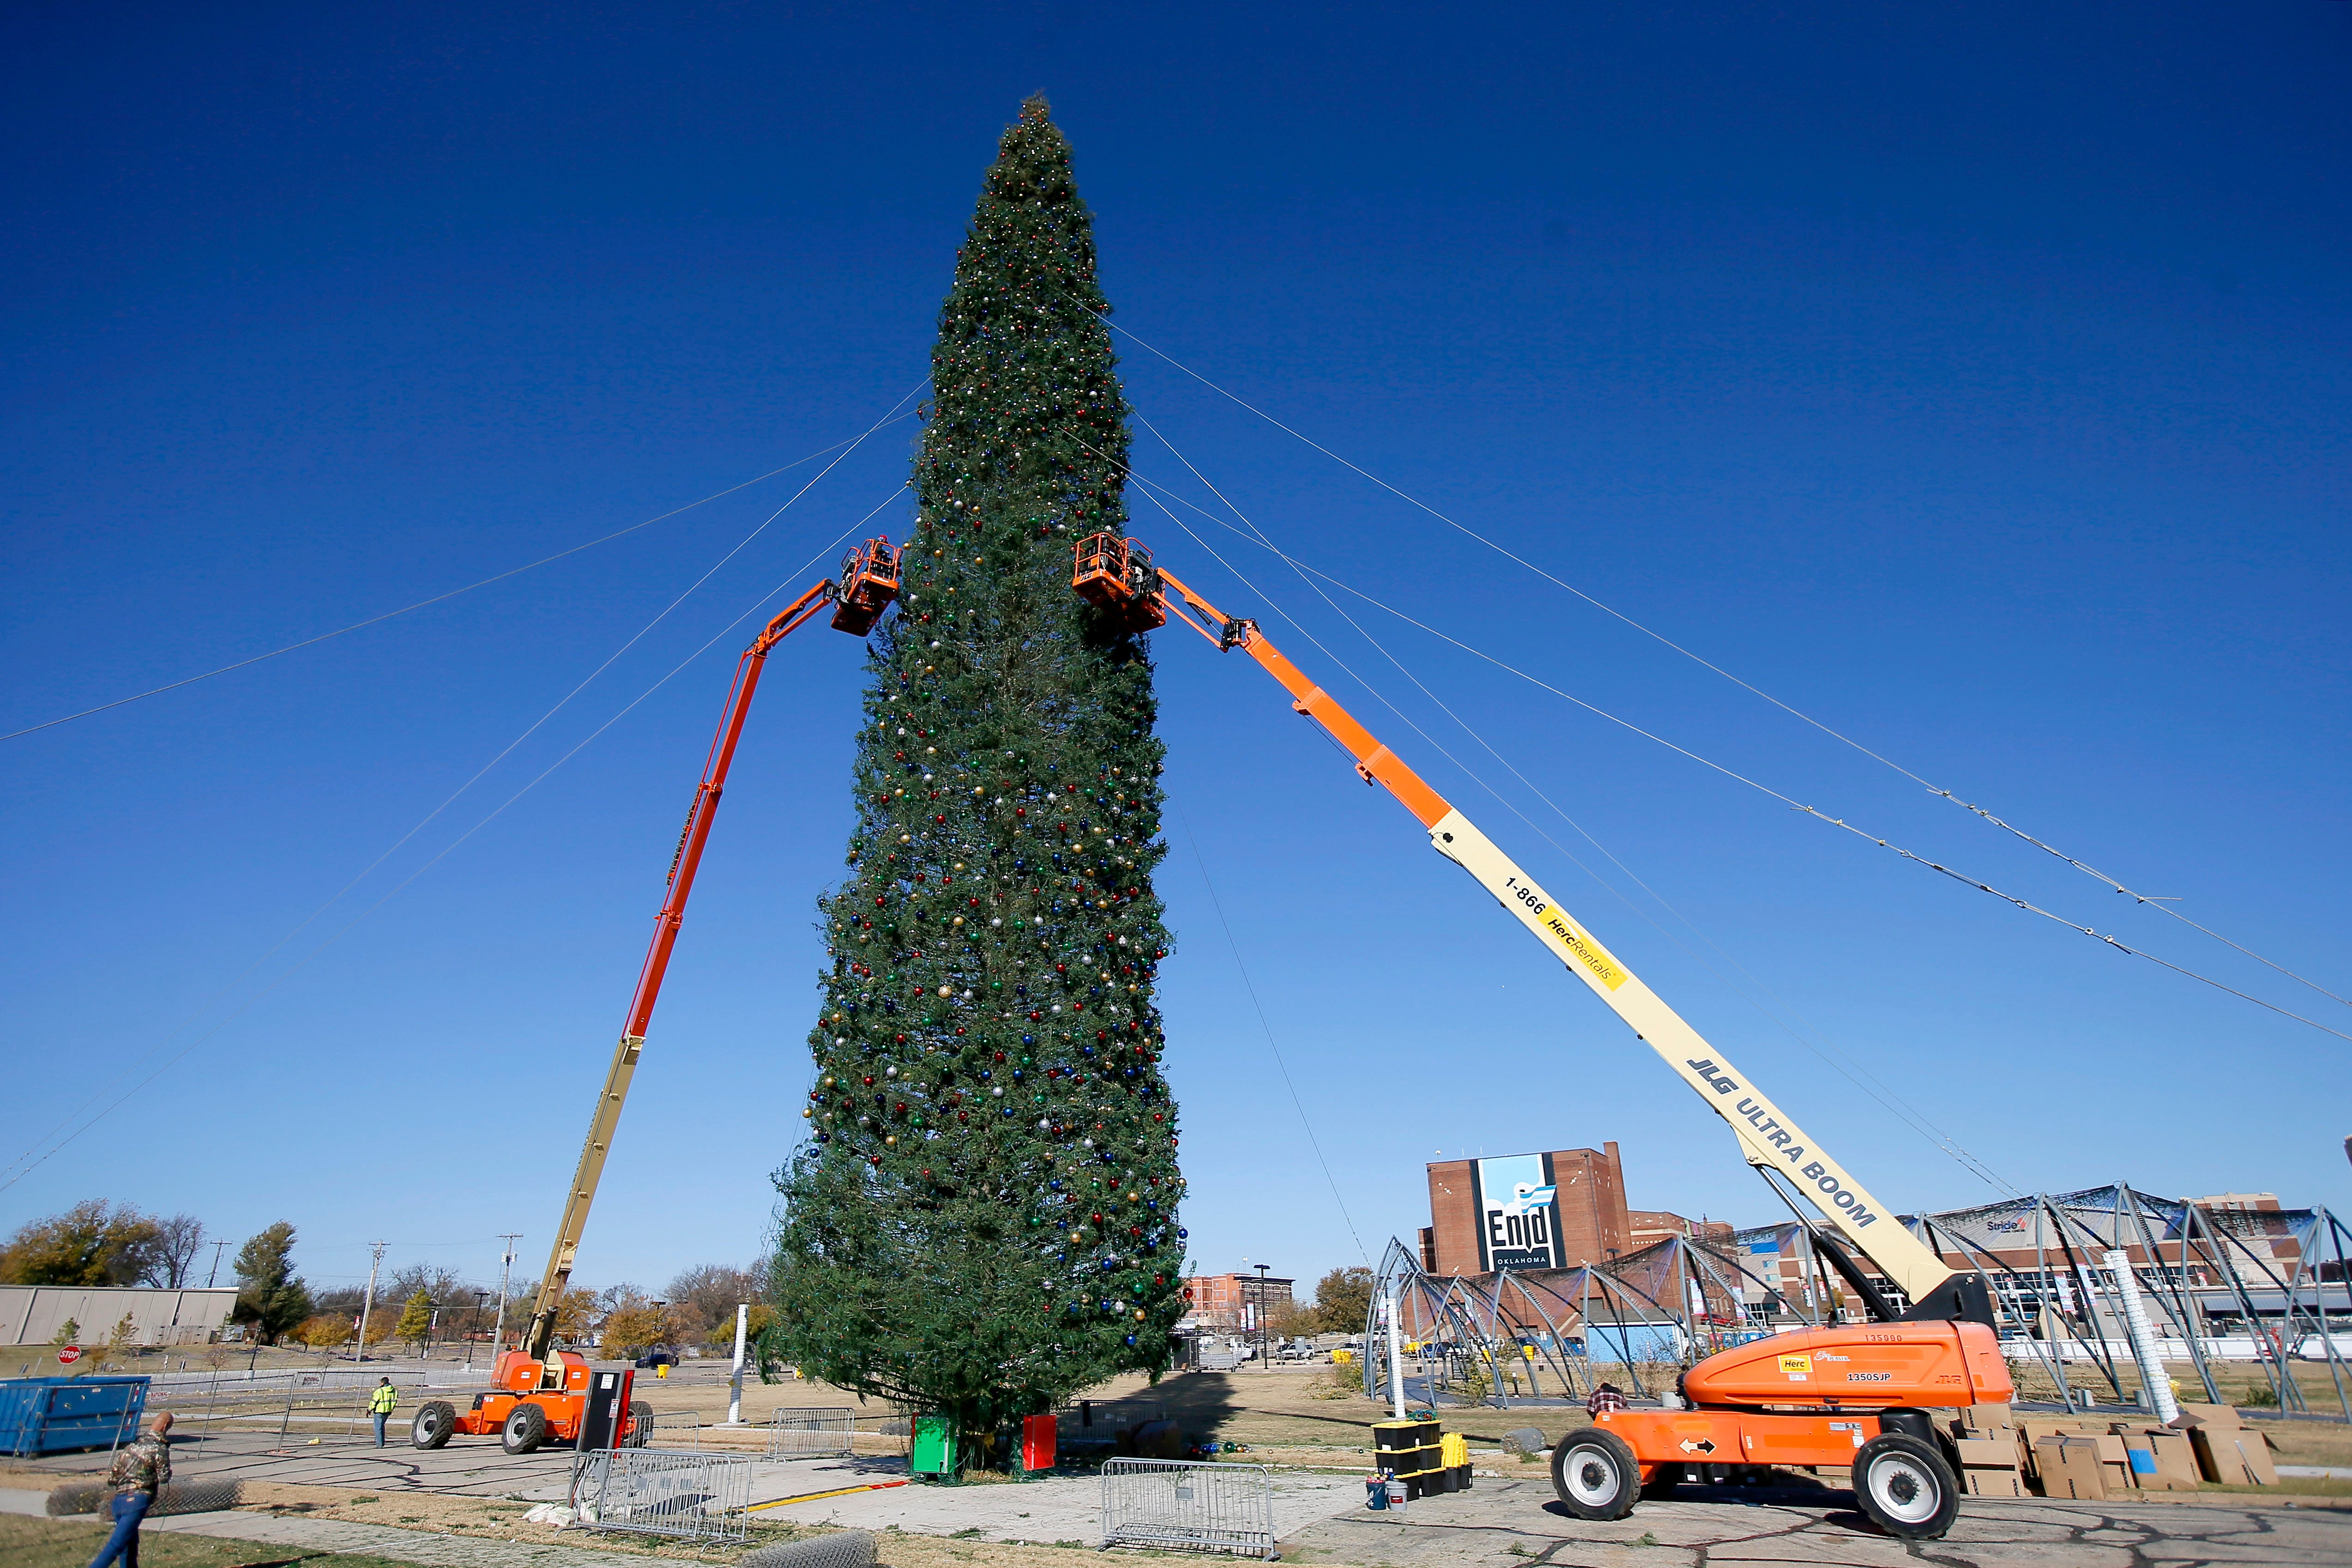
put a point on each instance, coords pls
(2115, 1462)
(2034, 1431)
(2070, 1469)
(1996, 1453)
(2209, 1416)
(2176, 1459)
(2233, 1456)
(1988, 1481)
(1987, 1419)
(2036, 1427)
(2148, 1472)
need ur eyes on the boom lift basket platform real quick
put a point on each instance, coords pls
(1117, 574)
(869, 581)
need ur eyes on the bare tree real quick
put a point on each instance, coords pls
(702, 1299)
(177, 1241)
(441, 1287)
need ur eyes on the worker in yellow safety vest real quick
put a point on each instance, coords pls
(380, 1399)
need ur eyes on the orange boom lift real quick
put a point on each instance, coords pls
(1856, 1395)
(540, 1389)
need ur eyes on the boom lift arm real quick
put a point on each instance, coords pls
(869, 581)
(1124, 579)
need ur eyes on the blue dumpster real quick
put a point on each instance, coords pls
(59, 1415)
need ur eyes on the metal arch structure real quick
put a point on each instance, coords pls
(1539, 1325)
(1455, 1314)
(2191, 1263)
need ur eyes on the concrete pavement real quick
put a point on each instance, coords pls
(1057, 1509)
(1514, 1524)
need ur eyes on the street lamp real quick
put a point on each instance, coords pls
(1264, 1351)
(482, 1300)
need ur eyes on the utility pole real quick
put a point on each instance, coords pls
(506, 1268)
(367, 1302)
(218, 1245)
(735, 1384)
(1264, 1349)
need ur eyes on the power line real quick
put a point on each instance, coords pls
(1844, 1066)
(2089, 870)
(1794, 804)
(19, 1167)
(1886, 1097)
(498, 811)
(423, 604)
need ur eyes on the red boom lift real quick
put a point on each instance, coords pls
(540, 1389)
(1853, 1397)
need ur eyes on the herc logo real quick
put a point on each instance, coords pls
(1796, 1364)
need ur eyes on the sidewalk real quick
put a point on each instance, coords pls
(1060, 1507)
(401, 1545)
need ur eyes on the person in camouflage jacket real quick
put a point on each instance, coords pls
(141, 1471)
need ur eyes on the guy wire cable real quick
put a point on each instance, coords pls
(1201, 864)
(2162, 904)
(1840, 1063)
(1886, 1097)
(1792, 802)
(1950, 1149)
(1878, 1092)
(842, 454)
(452, 594)
(764, 600)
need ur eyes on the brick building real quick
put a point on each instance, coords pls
(1554, 1210)
(1231, 1303)
(1647, 1227)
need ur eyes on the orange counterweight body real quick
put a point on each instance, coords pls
(1859, 1366)
(1846, 1374)
(1738, 1437)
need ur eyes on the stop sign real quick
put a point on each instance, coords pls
(69, 1355)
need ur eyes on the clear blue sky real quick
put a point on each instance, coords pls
(1976, 379)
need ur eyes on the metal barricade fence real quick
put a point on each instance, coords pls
(1185, 1504)
(810, 1433)
(295, 1407)
(692, 1496)
(674, 1429)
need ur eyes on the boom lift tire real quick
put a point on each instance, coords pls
(1663, 1479)
(1906, 1488)
(1595, 1473)
(641, 1423)
(525, 1429)
(433, 1422)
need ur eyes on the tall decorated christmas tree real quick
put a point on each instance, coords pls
(984, 1217)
